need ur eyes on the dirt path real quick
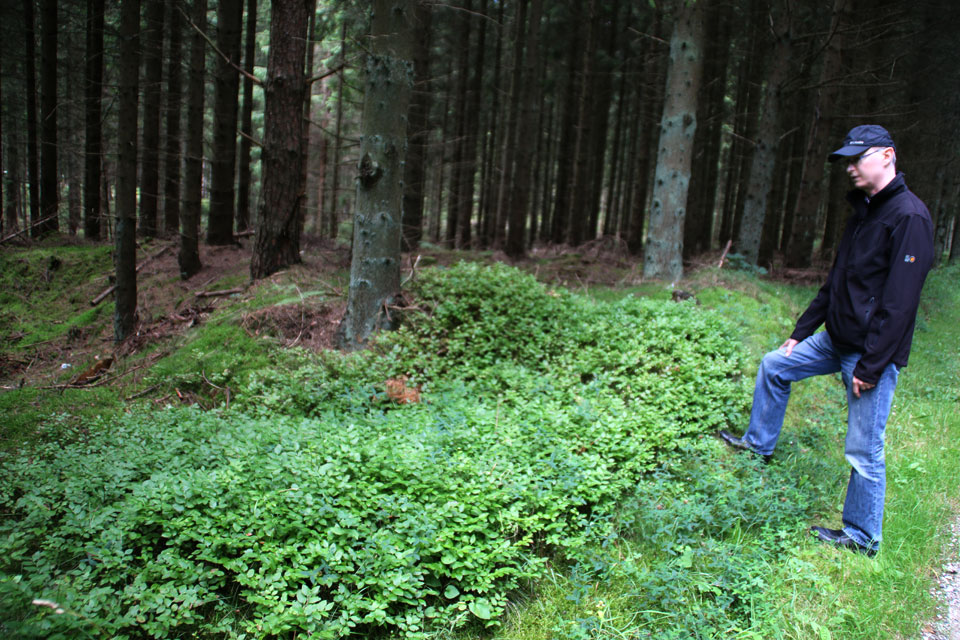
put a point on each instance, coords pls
(947, 624)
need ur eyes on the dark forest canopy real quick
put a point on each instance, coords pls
(665, 128)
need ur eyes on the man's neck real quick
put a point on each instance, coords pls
(887, 179)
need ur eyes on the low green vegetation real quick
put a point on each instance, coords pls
(555, 480)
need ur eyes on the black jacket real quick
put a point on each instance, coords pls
(869, 301)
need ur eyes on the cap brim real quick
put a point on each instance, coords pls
(847, 152)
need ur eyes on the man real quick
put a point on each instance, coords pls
(869, 306)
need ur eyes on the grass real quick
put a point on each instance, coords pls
(809, 590)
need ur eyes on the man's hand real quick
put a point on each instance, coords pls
(789, 345)
(859, 385)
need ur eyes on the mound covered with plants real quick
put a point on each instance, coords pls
(319, 504)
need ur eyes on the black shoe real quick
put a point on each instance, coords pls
(838, 538)
(739, 444)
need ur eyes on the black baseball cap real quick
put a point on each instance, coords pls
(861, 138)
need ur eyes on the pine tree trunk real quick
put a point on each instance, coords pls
(375, 265)
(125, 255)
(189, 256)
(227, 84)
(799, 251)
(246, 121)
(527, 136)
(415, 174)
(152, 39)
(277, 243)
(698, 226)
(663, 254)
(29, 58)
(582, 176)
(338, 141)
(49, 178)
(307, 103)
(471, 135)
(490, 185)
(460, 120)
(651, 100)
(12, 177)
(172, 155)
(566, 156)
(93, 138)
(763, 159)
(509, 150)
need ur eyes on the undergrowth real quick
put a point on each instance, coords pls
(316, 505)
(555, 481)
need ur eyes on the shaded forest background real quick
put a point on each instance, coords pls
(657, 128)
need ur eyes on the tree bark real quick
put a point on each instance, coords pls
(527, 135)
(338, 141)
(375, 265)
(698, 225)
(471, 135)
(460, 122)
(93, 139)
(799, 252)
(29, 58)
(125, 256)
(171, 173)
(764, 156)
(152, 39)
(246, 120)
(49, 178)
(582, 176)
(663, 254)
(512, 114)
(227, 83)
(414, 180)
(189, 256)
(277, 243)
(566, 157)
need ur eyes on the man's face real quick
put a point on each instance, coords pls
(869, 169)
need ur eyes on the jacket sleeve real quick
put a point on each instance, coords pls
(816, 312)
(911, 257)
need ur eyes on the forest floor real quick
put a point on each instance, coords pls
(55, 339)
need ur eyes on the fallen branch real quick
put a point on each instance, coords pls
(725, 251)
(222, 292)
(140, 394)
(106, 292)
(25, 229)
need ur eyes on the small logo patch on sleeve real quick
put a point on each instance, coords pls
(909, 258)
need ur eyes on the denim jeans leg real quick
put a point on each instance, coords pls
(866, 425)
(814, 356)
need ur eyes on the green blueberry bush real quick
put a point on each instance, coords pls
(317, 507)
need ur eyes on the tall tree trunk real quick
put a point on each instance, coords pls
(799, 251)
(49, 178)
(338, 140)
(11, 176)
(567, 154)
(227, 84)
(150, 155)
(651, 100)
(189, 256)
(307, 104)
(414, 179)
(582, 176)
(246, 120)
(495, 134)
(460, 121)
(93, 138)
(171, 173)
(509, 150)
(375, 265)
(663, 254)
(30, 58)
(125, 255)
(763, 159)
(601, 100)
(527, 135)
(277, 243)
(471, 135)
(698, 226)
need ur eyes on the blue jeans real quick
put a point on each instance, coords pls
(866, 421)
